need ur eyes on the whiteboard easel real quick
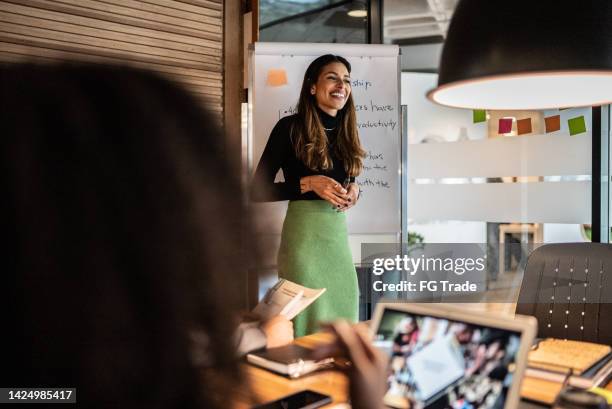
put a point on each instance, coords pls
(375, 87)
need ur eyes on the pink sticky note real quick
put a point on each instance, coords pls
(505, 125)
(277, 77)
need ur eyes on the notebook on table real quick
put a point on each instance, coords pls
(446, 357)
(290, 360)
(582, 364)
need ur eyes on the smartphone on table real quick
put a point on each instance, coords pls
(301, 400)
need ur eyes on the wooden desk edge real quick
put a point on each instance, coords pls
(334, 383)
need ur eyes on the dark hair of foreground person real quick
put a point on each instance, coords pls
(121, 221)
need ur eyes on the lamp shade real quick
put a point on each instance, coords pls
(526, 54)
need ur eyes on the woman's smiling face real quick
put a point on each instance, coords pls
(332, 88)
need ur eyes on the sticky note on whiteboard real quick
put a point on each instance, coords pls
(277, 77)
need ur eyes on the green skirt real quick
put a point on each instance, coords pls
(315, 253)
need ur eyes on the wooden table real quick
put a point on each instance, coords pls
(265, 386)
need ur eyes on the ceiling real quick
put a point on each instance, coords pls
(405, 22)
(416, 21)
(272, 10)
(310, 21)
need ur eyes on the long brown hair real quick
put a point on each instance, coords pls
(308, 134)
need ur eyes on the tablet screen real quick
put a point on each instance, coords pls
(438, 363)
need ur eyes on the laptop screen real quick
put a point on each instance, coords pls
(439, 363)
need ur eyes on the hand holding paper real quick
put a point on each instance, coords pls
(286, 298)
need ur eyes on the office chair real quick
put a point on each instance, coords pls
(568, 288)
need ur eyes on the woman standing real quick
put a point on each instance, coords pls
(319, 151)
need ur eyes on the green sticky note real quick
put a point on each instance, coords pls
(479, 115)
(576, 125)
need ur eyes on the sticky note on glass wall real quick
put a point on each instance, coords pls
(523, 126)
(576, 125)
(479, 115)
(552, 123)
(505, 125)
(277, 77)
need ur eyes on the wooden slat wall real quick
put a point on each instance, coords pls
(182, 39)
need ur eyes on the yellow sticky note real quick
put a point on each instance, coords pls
(277, 77)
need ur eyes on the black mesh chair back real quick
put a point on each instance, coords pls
(568, 288)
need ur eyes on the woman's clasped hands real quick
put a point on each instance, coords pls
(328, 189)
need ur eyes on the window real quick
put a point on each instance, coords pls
(313, 21)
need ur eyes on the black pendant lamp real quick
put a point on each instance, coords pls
(527, 54)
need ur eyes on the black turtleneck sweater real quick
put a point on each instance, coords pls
(279, 153)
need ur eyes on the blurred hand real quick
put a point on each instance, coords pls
(367, 371)
(278, 330)
(326, 188)
(248, 316)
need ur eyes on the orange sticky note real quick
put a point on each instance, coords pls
(552, 123)
(523, 126)
(277, 77)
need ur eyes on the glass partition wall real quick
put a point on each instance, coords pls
(496, 177)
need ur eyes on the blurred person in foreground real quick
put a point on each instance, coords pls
(123, 222)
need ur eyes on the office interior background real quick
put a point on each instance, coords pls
(540, 188)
